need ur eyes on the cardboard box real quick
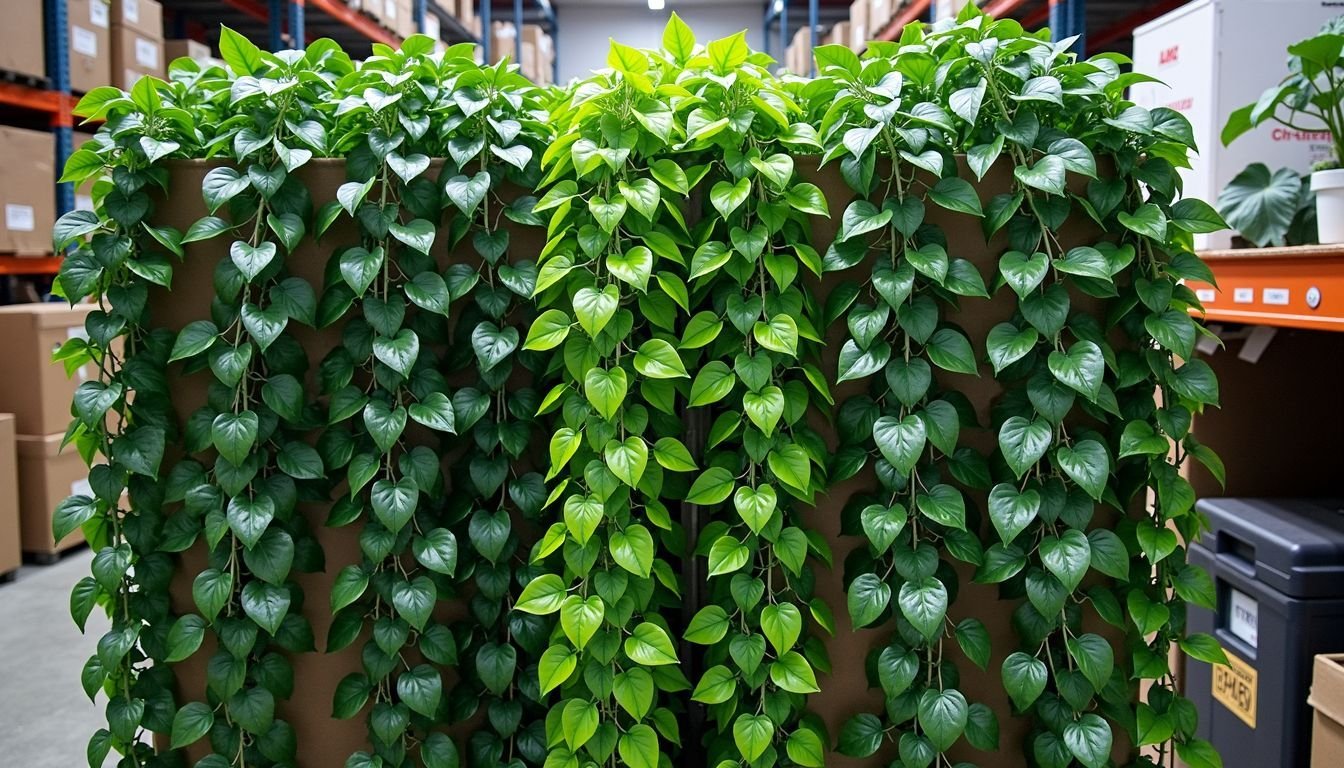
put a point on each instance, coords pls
(27, 199)
(858, 25)
(185, 49)
(839, 34)
(11, 554)
(1327, 703)
(879, 13)
(135, 55)
(21, 39)
(90, 44)
(406, 25)
(503, 41)
(1199, 52)
(802, 45)
(538, 53)
(35, 389)
(47, 475)
(141, 15)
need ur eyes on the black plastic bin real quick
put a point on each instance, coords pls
(1278, 567)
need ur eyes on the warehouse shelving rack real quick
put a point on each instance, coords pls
(281, 22)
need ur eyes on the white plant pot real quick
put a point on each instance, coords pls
(1329, 189)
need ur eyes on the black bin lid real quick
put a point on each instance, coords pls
(1295, 546)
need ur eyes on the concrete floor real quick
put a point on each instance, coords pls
(45, 718)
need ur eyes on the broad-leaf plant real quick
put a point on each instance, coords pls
(549, 384)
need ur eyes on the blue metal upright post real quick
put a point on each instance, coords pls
(486, 33)
(58, 71)
(518, 32)
(783, 26)
(1067, 19)
(276, 24)
(298, 36)
(419, 13)
(813, 11)
(555, 48)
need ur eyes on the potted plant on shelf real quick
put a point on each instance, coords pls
(1309, 99)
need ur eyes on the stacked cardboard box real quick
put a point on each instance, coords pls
(798, 57)
(90, 44)
(503, 41)
(1327, 703)
(38, 393)
(185, 49)
(839, 34)
(858, 25)
(21, 37)
(10, 551)
(27, 191)
(879, 14)
(137, 41)
(465, 12)
(538, 54)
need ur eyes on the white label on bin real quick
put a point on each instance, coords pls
(1206, 295)
(1243, 618)
(130, 11)
(1243, 295)
(98, 14)
(19, 218)
(83, 41)
(81, 487)
(146, 53)
(1276, 296)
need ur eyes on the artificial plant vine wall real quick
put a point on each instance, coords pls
(415, 260)
(1093, 263)
(676, 243)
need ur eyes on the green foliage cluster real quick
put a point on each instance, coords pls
(572, 368)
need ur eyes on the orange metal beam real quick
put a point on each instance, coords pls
(355, 20)
(30, 265)
(912, 12)
(1000, 8)
(1297, 287)
(24, 97)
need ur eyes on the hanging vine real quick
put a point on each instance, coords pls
(669, 329)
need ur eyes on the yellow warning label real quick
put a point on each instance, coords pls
(1235, 686)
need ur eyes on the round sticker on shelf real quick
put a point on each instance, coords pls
(1313, 297)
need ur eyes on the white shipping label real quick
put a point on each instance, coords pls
(19, 218)
(83, 41)
(81, 487)
(146, 53)
(130, 11)
(98, 14)
(1243, 618)
(390, 10)
(83, 202)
